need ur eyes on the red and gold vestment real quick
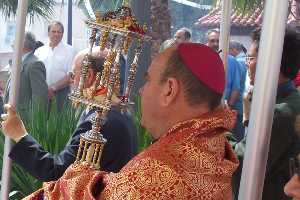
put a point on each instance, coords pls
(193, 160)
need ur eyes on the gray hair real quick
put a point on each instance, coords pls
(187, 32)
(29, 41)
(56, 23)
(238, 46)
(235, 45)
(216, 30)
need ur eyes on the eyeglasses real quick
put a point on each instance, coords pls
(249, 58)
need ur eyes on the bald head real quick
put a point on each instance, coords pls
(96, 59)
(80, 55)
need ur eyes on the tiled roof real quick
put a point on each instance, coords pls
(250, 19)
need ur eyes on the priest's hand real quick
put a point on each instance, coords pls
(292, 188)
(12, 125)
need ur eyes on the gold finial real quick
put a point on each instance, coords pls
(104, 39)
(118, 31)
(145, 28)
(98, 16)
(125, 3)
(127, 43)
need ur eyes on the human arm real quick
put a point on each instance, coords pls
(66, 68)
(30, 155)
(60, 84)
(43, 165)
(292, 188)
(235, 94)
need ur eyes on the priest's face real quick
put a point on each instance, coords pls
(153, 110)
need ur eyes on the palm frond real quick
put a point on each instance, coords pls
(242, 5)
(37, 8)
(246, 5)
(101, 5)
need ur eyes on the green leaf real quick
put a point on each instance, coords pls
(52, 133)
(144, 137)
(37, 8)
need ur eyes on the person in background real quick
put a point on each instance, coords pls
(4, 75)
(57, 57)
(284, 142)
(119, 130)
(33, 86)
(238, 51)
(182, 35)
(213, 36)
(235, 83)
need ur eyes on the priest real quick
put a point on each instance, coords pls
(190, 158)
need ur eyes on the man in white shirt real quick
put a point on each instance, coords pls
(57, 57)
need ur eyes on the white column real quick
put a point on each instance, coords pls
(262, 109)
(225, 30)
(15, 79)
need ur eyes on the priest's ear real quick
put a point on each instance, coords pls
(170, 91)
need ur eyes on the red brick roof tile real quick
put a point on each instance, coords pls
(250, 19)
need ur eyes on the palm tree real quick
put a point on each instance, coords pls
(246, 5)
(102, 5)
(160, 23)
(37, 8)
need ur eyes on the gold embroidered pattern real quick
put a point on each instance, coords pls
(192, 161)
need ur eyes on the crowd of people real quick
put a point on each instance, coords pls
(195, 103)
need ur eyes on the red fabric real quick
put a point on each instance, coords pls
(297, 80)
(205, 64)
(193, 160)
(102, 90)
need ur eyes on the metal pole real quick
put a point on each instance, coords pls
(15, 79)
(70, 15)
(225, 30)
(262, 109)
